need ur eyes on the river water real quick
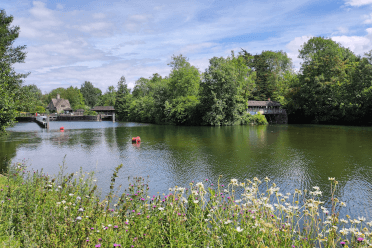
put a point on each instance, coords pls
(292, 156)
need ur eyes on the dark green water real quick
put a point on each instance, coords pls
(292, 156)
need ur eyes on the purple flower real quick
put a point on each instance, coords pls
(100, 239)
(98, 245)
(342, 243)
(133, 211)
(92, 228)
(211, 184)
(116, 227)
(87, 240)
(222, 185)
(117, 245)
(206, 180)
(360, 239)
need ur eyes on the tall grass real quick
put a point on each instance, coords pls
(38, 210)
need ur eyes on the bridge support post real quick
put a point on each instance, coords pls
(113, 117)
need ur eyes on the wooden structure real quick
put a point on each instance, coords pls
(67, 110)
(271, 109)
(105, 112)
(79, 112)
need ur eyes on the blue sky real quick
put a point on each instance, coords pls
(69, 42)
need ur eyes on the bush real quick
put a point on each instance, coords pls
(259, 119)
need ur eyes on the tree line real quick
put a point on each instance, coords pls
(333, 86)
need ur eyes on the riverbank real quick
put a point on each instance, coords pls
(38, 210)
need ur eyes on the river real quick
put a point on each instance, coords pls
(292, 156)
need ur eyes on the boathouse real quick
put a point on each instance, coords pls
(271, 109)
(105, 112)
(58, 104)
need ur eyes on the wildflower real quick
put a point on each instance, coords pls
(63, 201)
(98, 245)
(117, 245)
(116, 227)
(65, 207)
(70, 194)
(78, 218)
(78, 198)
(331, 178)
(239, 229)
(228, 222)
(360, 239)
(81, 210)
(196, 201)
(342, 243)
(161, 209)
(362, 219)
(58, 203)
(234, 181)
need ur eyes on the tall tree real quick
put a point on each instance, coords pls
(90, 93)
(122, 101)
(184, 82)
(222, 91)
(270, 68)
(10, 81)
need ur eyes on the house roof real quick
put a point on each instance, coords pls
(68, 109)
(57, 102)
(264, 104)
(102, 108)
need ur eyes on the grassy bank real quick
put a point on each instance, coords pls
(37, 210)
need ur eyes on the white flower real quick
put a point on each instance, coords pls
(60, 187)
(227, 222)
(70, 194)
(65, 207)
(161, 209)
(226, 191)
(78, 198)
(78, 218)
(361, 218)
(316, 187)
(206, 220)
(63, 201)
(331, 178)
(81, 210)
(234, 181)
(196, 201)
(239, 229)
(344, 221)
(58, 203)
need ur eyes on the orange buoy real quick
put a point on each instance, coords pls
(61, 128)
(136, 139)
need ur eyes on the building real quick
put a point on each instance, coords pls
(79, 112)
(271, 109)
(68, 110)
(58, 104)
(104, 110)
(264, 107)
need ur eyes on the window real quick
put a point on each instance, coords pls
(63, 106)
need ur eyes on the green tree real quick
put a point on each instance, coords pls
(271, 69)
(108, 99)
(223, 91)
(320, 95)
(10, 81)
(90, 93)
(184, 83)
(122, 101)
(34, 98)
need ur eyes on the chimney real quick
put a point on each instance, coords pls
(58, 96)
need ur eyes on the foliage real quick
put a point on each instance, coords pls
(223, 93)
(108, 99)
(90, 112)
(72, 94)
(38, 210)
(10, 81)
(90, 93)
(270, 68)
(122, 101)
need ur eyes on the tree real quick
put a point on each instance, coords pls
(10, 81)
(184, 82)
(122, 100)
(223, 96)
(108, 99)
(270, 68)
(90, 93)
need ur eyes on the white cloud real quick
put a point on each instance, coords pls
(94, 26)
(358, 2)
(293, 48)
(357, 44)
(59, 6)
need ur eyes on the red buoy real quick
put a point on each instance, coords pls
(136, 139)
(61, 128)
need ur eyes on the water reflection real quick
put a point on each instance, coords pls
(293, 156)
